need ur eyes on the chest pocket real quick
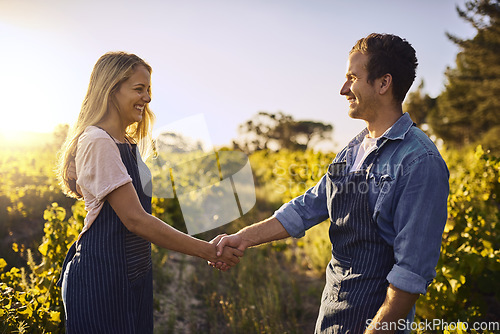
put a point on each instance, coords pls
(380, 183)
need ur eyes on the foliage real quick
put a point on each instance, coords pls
(284, 175)
(30, 301)
(419, 105)
(467, 110)
(280, 131)
(466, 286)
(28, 185)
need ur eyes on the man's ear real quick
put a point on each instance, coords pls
(385, 83)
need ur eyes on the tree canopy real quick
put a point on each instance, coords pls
(467, 111)
(280, 131)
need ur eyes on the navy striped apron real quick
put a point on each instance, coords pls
(109, 287)
(356, 282)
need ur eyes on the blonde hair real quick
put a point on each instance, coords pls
(110, 71)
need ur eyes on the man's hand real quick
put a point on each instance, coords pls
(233, 240)
(229, 256)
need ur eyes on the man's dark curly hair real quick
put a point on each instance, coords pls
(389, 54)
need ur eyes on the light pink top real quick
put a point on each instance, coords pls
(99, 170)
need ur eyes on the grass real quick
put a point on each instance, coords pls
(275, 288)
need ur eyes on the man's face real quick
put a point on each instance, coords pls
(362, 96)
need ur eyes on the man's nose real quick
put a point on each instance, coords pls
(346, 88)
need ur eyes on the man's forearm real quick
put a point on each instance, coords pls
(397, 305)
(265, 231)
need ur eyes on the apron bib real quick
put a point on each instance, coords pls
(356, 282)
(109, 284)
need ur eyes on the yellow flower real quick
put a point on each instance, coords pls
(55, 316)
(3, 263)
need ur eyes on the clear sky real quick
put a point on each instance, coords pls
(227, 59)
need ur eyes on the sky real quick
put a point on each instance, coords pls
(224, 59)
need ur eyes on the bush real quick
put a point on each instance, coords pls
(466, 286)
(30, 301)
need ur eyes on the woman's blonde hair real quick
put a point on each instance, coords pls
(110, 71)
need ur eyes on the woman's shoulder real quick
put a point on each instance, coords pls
(93, 135)
(93, 131)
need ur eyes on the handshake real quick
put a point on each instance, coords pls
(229, 249)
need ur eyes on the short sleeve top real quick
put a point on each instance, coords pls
(99, 170)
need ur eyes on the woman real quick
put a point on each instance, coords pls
(107, 276)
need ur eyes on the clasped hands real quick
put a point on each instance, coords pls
(229, 249)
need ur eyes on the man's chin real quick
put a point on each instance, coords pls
(353, 113)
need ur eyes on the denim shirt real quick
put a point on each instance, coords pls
(407, 194)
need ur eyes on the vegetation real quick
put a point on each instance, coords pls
(466, 112)
(277, 287)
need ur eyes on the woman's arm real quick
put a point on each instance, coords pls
(127, 206)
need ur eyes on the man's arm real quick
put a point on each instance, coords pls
(292, 219)
(397, 305)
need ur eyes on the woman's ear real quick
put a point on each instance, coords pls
(385, 83)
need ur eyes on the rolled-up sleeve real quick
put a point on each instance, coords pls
(419, 219)
(305, 211)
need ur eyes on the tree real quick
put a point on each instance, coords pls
(419, 105)
(59, 135)
(467, 110)
(280, 131)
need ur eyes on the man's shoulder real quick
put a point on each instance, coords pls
(415, 149)
(417, 142)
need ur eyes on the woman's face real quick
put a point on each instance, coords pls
(133, 95)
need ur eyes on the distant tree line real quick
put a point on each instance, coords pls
(467, 112)
(280, 131)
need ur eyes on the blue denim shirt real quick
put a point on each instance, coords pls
(408, 192)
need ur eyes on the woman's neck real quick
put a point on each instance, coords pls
(114, 128)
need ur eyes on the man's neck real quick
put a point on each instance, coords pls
(376, 128)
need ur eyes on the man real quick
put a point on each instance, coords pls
(385, 194)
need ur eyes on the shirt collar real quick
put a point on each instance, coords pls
(397, 131)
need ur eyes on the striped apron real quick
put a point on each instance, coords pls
(108, 286)
(356, 282)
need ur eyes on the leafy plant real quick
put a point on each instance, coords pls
(30, 301)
